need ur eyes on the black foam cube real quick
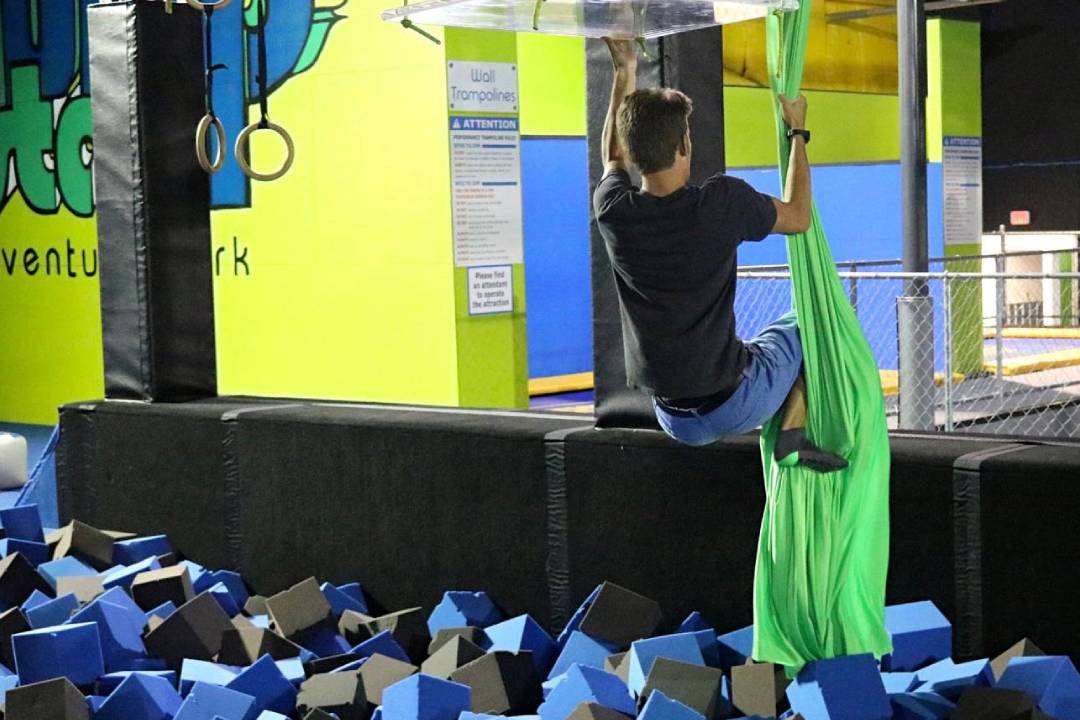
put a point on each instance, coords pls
(620, 616)
(12, 622)
(452, 655)
(696, 686)
(474, 635)
(379, 673)
(341, 694)
(318, 666)
(758, 688)
(48, 700)
(193, 631)
(300, 608)
(983, 703)
(318, 714)
(19, 580)
(619, 664)
(243, 646)
(409, 628)
(1024, 648)
(256, 605)
(94, 547)
(502, 683)
(594, 711)
(157, 587)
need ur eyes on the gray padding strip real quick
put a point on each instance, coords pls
(558, 559)
(968, 547)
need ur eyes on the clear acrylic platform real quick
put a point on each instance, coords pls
(587, 18)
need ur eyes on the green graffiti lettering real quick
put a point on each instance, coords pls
(26, 131)
(74, 131)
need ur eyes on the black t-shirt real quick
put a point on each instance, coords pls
(674, 261)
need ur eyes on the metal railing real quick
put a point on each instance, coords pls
(985, 369)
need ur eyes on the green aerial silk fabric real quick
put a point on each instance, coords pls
(823, 553)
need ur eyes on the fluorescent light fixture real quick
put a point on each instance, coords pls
(586, 18)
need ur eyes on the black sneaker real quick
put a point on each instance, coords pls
(794, 448)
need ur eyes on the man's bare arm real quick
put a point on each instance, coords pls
(793, 212)
(624, 58)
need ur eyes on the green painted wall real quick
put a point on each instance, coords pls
(552, 81)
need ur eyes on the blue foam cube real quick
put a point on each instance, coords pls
(683, 647)
(324, 641)
(201, 580)
(234, 583)
(129, 552)
(35, 553)
(340, 601)
(33, 600)
(123, 575)
(660, 707)
(424, 697)
(52, 612)
(843, 688)
(381, 644)
(193, 671)
(950, 679)
(583, 684)
(736, 646)
(267, 715)
(709, 646)
(293, 670)
(140, 697)
(920, 635)
(71, 651)
(121, 637)
(459, 608)
(583, 650)
(693, 623)
(225, 599)
(1052, 682)
(118, 596)
(523, 633)
(356, 592)
(575, 620)
(110, 681)
(207, 702)
(22, 522)
(548, 685)
(163, 610)
(69, 566)
(898, 682)
(268, 687)
(920, 706)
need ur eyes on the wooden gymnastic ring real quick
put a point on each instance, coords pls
(242, 147)
(210, 121)
(204, 6)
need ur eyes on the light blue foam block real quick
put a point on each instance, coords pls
(583, 684)
(141, 697)
(583, 650)
(523, 633)
(462, 608)
(660, 707)
(736, 646)
(64, 567)
(267, 685)
(1052, 682)
(425, 697)
(683, 647)
(207, 702)
(52, 612)
(920, 635)
(950, 679)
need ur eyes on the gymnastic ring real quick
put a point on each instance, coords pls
(204, 6)
(242, 146)
(205, 124)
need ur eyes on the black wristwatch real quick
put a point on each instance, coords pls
(804, 134)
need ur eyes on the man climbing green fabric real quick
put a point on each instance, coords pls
(672, 247)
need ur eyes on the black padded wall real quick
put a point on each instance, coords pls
(692, 62)
(1032, 150)
(153, 201)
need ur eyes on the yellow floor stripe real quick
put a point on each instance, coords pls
(556, 384)
(1037, 363)
(1037, 333)
(890, 381)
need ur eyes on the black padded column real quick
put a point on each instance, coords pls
(691, 62)
(153, 201)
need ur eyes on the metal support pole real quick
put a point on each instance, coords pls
(947, 321)
(999, 309)
(915, 311)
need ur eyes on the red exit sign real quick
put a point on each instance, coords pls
(1020, 217)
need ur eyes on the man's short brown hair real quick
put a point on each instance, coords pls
(651, 125)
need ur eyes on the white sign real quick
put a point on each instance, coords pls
(482, 87)
(962, 161)
(485, 168)
(491, 290)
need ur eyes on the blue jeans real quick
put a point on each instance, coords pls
(775, 362)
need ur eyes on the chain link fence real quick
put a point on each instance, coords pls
(958, 349)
